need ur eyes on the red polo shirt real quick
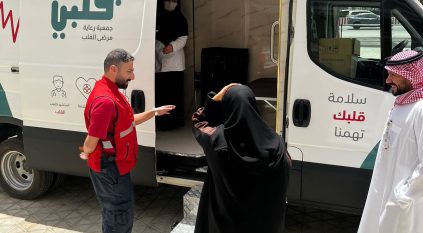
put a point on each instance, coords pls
(103, 112)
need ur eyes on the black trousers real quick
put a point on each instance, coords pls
(115, 194)
(170, 90)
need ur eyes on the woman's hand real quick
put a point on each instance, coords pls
(168, 49)
(219, 96)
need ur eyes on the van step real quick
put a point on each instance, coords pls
(191, 201)
(180, 162)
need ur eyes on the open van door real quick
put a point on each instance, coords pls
(337, 101)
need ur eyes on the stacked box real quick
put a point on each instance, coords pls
(340, 55)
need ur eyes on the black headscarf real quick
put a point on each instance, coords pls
(170, 25)
(257, 146)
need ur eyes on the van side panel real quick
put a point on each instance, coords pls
(9, 58)
(63, 45)
(335, 186)
(57, 77)
(4, 105)
(57, 151)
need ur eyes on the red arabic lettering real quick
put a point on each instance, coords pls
(5, 20)
(342, 116)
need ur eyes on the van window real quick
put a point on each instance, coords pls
(346, 46)
(407, 29)
(400, 35)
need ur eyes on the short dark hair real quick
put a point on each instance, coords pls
(115, 57)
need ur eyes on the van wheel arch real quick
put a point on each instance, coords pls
(9, 130)
(16, 179)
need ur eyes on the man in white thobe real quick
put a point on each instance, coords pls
(395, 200)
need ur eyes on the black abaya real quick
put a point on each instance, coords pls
(248, 168)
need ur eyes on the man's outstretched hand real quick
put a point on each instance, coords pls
(164, 110)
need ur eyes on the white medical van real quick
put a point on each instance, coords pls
(318, 82)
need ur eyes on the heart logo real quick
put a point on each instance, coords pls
(85, 86)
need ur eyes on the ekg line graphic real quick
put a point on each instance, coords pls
(5, 20)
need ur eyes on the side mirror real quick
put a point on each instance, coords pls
(138, 101)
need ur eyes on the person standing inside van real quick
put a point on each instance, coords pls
(248, 166)
(395, 200)
(171, 37)
(111, 144)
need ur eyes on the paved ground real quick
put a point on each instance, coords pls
(73, 208)
(307, 220)
(298, 219)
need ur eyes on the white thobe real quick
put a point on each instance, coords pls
(395, 200)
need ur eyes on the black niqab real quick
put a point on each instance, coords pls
(170, 25)
(256, 145)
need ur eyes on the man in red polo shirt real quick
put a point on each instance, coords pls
(111, 145)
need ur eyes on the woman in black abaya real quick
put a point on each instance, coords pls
(248, 166)
(171, 38)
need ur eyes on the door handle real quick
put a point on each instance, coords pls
(301, 113)
(272, 42)
(138, 101)
(14, 69)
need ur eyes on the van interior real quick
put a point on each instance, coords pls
(228, 41)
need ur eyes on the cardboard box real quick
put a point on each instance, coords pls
(340, 55)
(339, 47)
(345, 65)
